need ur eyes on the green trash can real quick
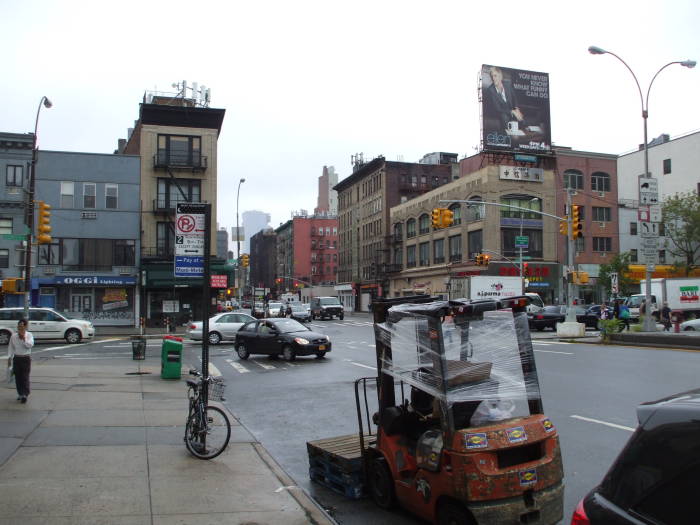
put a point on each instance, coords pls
(171, 357)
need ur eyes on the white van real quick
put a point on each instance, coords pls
(536, 303)
(45, 323)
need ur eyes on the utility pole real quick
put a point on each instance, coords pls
(570, 287)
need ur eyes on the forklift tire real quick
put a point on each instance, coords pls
(452, 513)
(381, 484)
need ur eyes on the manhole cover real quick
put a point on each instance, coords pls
(138, 373)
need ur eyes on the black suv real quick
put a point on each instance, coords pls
(322, 307)
(655, 477)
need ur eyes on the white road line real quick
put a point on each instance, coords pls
(213, 371)
(554, 352)
(237, 366)
(363, 366)
(371, 346)
(613, 425)
(109, 340)
(263, 365)
(64, 347)
(84, 357)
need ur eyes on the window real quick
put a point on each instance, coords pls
(398, 231)
(178, 150)
(81, 254)
(67, 189)
(398, 256)
(14, 176)
(165, 239)
(320, 231)
(475, 241)
(601, 214)
(170, 194)
(50, 253)
(335, 231)
(456, 210)
(508, 236)
(424, 253)
(633, 255)
(662, 256)
(600, 181)
(475, 212)
(662, 229)
(439, 251)
(573, 179)
(328, 230)
(521, 201)
(124, 253)
(111, 196)
(5, 226)
(423, 224)
(580, 244)
(602, 244)
(89, 190)
(411, 256)
(667, 166)
(4, 258)
(633, 228)
(410, 228)
(455, 247)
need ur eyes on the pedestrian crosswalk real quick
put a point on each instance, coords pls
(256, 365)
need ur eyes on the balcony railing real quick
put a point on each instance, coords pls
(163, 204)
(455, 257)
(190, 161)
(394, 268)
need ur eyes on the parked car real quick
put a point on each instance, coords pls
(275, 309)
(654, 479)
(45, 323)
(300, 313)
(326, 307)
(280, 336)
(258, 311)
(221, 327)
(691, 325)
(246, 304)
(548, 317)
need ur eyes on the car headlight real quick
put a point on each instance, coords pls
(328, 339)
(301, 341)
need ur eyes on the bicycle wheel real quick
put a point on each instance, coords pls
(208, 439)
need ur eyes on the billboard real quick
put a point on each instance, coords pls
(515, 110)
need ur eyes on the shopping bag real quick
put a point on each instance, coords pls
(9, 374)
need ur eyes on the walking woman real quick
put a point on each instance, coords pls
(19, 355)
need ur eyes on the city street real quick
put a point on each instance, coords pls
(589, 391)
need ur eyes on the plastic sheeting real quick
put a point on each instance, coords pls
(480, 366)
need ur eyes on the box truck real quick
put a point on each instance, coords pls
(498, 287)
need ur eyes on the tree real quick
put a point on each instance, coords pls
(620, 265)
(681, 219)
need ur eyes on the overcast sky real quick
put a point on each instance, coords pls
(309, 83)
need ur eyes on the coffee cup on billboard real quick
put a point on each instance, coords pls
(513, 125)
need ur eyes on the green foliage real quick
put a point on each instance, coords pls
(620, 265)
(609, 326)
(681, 219)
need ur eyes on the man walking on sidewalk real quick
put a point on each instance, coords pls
(19, 351)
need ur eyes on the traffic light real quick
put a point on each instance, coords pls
(576, 222)
(448, 217)
(479, 259)
(564, 226)
(486, 259)
(228, 291)
(436, 218)
(245, 260)
(526, 269)
(482, 259)
(278, 280)
(44, 228)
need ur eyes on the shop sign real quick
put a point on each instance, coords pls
(219, 281)
(530, 271)
(98, 280)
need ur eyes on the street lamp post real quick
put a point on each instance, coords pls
(30, 212)
(649, 324)
(238, 244)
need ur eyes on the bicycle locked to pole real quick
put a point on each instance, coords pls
(208, 430)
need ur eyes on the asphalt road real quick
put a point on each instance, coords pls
(590, 392)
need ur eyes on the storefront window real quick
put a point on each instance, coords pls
(534, 248)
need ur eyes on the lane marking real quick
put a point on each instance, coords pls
(213, 371)
(238, 367)
(263, 365)
(554, 352)
(64, 347)
(371, 346)
(363, 366)
(613, 425)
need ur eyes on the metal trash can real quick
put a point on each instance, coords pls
(171, 357)
(138, 347)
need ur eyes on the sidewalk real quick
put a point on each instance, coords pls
(103, 443)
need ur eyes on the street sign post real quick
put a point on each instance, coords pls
(614, 284)
(190, 239)
(648, 191)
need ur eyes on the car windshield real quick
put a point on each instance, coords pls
(298, 308)
(290, 325)
(635, 301)
(329, 301)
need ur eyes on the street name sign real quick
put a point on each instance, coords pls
(521, 241)
(189, 240)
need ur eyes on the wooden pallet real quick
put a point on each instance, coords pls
(336, 463)
(352, 491)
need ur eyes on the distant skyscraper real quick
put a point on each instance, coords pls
(253, 222)
(327, 197)
(221, 243)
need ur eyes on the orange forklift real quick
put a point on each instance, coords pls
(467, 442)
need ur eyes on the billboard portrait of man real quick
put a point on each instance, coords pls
(515, 109)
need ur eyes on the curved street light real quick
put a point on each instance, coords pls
(30, 210)
(649, 324)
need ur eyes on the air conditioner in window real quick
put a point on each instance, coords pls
(601, 194)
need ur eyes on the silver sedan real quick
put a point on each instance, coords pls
(221, 327)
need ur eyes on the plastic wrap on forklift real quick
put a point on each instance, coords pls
(478, 363)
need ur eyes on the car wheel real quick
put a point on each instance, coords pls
(242, 351)
(289, 353)
(341, 316)
(686, 329)
(381, 484)
(320, 355)
(73, 336)
(214, 338)
(4, 337)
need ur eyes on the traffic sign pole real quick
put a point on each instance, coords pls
(206, 294)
